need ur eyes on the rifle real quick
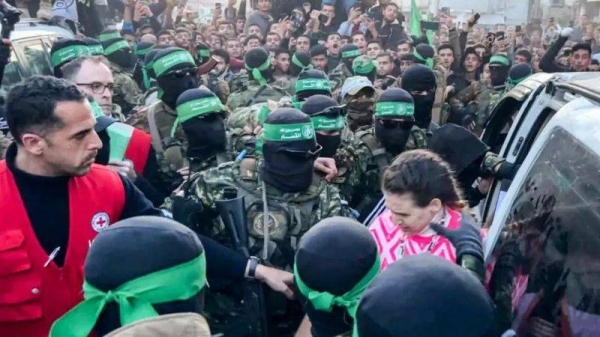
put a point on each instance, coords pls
(232, 211)
(9, 17)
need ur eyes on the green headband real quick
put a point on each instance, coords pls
(103, 37)
(428, 61)
(166, 62)
(134, 298)
(69, 53)
(350, 53)
(96, 49)
(512, 83)
(256, 72)
(395, 109)
(500, 59)
(96, 109)
(120, 136)
(327, 123)
(116, 47)
(298, 63)
(312, 84)
(191, 109)
(324, 301)
(203, 52)
(363, 69)
(143, 52)
(288, 132)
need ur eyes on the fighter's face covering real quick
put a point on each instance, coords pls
(174, 85)
(423, 107)
(103, 155)
(329, 143)
(498, 75)
(286, 169)
(360, 111)
(124, 59)
(206, 135)
(393, 135)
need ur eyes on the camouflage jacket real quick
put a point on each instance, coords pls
(4, 143)
(117, 113)
(480, 99)
(439, 116)
(286, 82)
(290, 214)
(127, 94)
(372, 159)
(337, 77)
(251, 93)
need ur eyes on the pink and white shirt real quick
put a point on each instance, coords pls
(393, 244)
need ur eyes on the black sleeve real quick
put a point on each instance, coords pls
(155, 24)
(152, 177)
(462, 39)
(136, 203)
(158, 8)
(548, 63)
(151, 193)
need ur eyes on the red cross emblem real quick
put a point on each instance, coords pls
(100, 221)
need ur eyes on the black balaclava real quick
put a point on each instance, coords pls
(408, 287)
(202, 53)
(461, 149)
(420, 78)
(94, 46)
(200, 113)
(499, 66)
(394, 104)
(258, 64)
(349, 52)
(175, 71)
(299, 62)
(424, 54)
(311, 82)
(112, 261)
(143, 48)
(117, 51)
(289, 150)
(333, 257)
(360, 104)
(326, 115)
(65, 50)
(364, 66)
(518, 73)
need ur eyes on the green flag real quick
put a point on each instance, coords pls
(415, 22)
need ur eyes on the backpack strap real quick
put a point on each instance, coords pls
(156, 140)
(377, 151)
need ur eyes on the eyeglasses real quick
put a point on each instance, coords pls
(394, 124)
(98, 87)
(305, 154)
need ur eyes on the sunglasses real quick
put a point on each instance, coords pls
(393, 124)
(305, 155)
(332, 112)
(182, 73)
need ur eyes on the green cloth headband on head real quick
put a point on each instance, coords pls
(96, 109)
(395, 109)
(327, 123)
(166, 62)
(191, 109)
(96, 49)
(312, 84)
(143, 52)
(203, 52)
(512, 83)
(363, 69)
(69, 53)
(350, 53)
(428, 61)
(116, 47)
(107, 36)
(134, 298)
(500, 59)
(298, 63)
(288, 132)
(324, 301)
(256, 72)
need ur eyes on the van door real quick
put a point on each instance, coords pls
(36, 56)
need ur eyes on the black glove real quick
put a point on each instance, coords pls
(186, 211)
(465, 239)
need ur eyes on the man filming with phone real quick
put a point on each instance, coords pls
(389, 29)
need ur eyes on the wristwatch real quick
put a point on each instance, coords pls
(254, 262)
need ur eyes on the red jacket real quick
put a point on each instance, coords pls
(138, 150)
(32, 296)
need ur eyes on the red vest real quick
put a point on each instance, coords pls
(32, 296)
(138, 150)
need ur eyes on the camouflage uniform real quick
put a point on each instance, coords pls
(440, 108)
(480, 99)
(217, 85)
(4, 143)
(127, 94)
(337, 77)
(251, 93)
(117, 113)
(371, 160)
(287, 83)
(359, 105)
(291, 214)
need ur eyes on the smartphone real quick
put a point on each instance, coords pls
(518, 29)
(323, 18)
(430, 25)
(499, 35)
(446, 10)
(282, 16)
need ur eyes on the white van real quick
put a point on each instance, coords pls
(543, 245)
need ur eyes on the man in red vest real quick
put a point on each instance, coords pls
(54, 201)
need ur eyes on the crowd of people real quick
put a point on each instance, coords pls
(337, 123)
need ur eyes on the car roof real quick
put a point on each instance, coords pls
(27, 28)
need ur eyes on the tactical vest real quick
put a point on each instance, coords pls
(287, 217)
(169, 153)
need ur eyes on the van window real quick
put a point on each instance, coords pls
(12, 72)
(547, 262)
(37, 58)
